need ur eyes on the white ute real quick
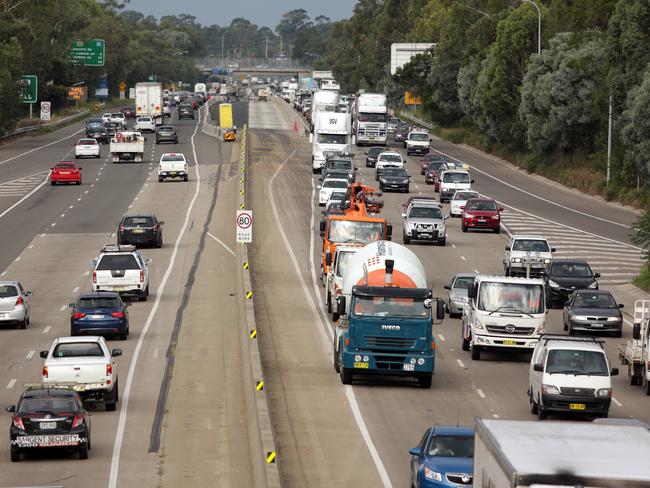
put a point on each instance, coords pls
(122, 269)
(127, 146)
(417, 142)
(172, 165)
(87, 365)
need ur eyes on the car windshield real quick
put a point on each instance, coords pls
(373, 152)
(419, 137)
(8, 291)
(344, 165)
(389, 306)
(395, 173)
(367, 117)
(332, 138)
(337, 196)
(354, 231)
(533, 245)
(335, 184)
(173, 157)
(425, 212)
(165, 128)
(96, 128)
(460, 446)
(87, 142)
(98, 302)
(480, 205)
(435, 166)
(511, 297)
(117, 261)
(138, 221)
(465, 195)
(342, 262)
(448, 177)
(391, 158)
(463, 282)
(571, 270)
(48, 404)
(564, 361)
(118, 115)
(77, 349)
(594, 300)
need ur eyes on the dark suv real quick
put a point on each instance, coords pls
(166, 133)
(141, 229)
(185, 110)
(100, 313)
(564, 276)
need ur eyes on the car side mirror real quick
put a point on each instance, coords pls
(28, 293)
(127, 304)
(613, 372)
(322, 226)
(430, 140)
(318, 186)
(116, 352)
(79, 168)
(440, 309)
(11, 409)
(403, 215)
(596, 275)
(507, 247)
(538, 367)
(71, 305)
(462, 207)
(148, 261)
(162, 222)
(328, 259)
(500, 209)
(472, 291)
(446, 217)
(43, 354)
(93, 263)
(471, 181)
(552, 249)
(620, 305)
(636, 332)
(416, 451)
(340, 306)
(447, 287)
(389, 231)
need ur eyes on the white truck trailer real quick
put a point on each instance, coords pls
(371, 119)
(636, 352)
(527, 454)
(331, 135)
(149, 100)
(323, 101)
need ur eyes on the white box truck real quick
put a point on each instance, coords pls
(371, 119)
(331, 135)
(527, 454)
(149, 100)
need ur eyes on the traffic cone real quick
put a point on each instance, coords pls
(295, 126)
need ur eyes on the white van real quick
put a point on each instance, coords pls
(570, 374)
(453, 180)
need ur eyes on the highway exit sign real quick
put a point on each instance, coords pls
(88, 53)
(28, 88)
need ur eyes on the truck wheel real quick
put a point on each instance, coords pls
(464, 343)
(571, 331)
(476, 353)
(160, 179)
(507, 272)
(443, 242)
(15, 455)
(463, 227)
(541, 413)
(619, 332)
(425, 381)
(497, 230)
(336, 362)
(346, 376)
(186, 178)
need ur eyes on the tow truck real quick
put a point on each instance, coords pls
(636, 353)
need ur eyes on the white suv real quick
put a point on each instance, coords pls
(122, 269)
(145, 123)
(119, 119)
(387, 158)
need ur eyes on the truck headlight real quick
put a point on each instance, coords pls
(604, 393)
(553, 284)
(357, 358)
(421, 361)
(430, 474)
(366, 359)
(550, 390)
(515, 260)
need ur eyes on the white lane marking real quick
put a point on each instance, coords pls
(126, 392)
(3, 273)
(460, 363)
(617, 402)
(477, 271)
(30, 246)
(30, 355)
(11, 384)
(505, 183)
(453, 245)
(41, 147)
(155, 353)
(63, 307)
(75, 289)
(24, 198)
(18, 259)
(495, 415)
(223, 244)
(87, 272)
(463, 258)
(47, 329)
(52, 224)
(441, 337)
(480, 393)
(326, 332)
(79, 199)
(87, 190)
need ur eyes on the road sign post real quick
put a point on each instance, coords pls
(88, 53)
(244, 226)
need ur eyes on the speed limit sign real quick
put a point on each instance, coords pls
(244, 225)
(46, 109)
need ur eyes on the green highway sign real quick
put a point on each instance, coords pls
(88, 53)
(28, 88)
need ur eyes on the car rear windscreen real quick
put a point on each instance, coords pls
(138, 222)
(77, 349)
(8, 291)
(98, 302)
(117, 261)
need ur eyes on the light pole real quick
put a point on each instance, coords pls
(539, 25)
(222, 36)
(281, 45)
(609, 140)
(266, 51)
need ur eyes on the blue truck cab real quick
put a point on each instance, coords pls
(387, 331)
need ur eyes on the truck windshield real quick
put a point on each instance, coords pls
(455, 178)
(362, 232)
(564, 361)
(332, 138)
(389, 306)
(511, 297)
(419, 137)
(534, 245)
(366, 117)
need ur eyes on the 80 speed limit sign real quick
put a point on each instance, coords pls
(244, 225)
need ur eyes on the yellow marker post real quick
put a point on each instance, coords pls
(249, 295)
(245, 265)
(270, 457)
(259, 386)
(253, 334)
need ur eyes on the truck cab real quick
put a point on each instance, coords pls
(503, 313)
(337, 265)
(371, 119)
(331, 135)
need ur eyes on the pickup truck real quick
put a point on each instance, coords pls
(127, 146)
(172, 165)
(87, 365)
(417, 142)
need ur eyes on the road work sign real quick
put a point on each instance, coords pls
(244, 226)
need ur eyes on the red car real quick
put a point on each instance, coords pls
(66, 172)
(481, 213)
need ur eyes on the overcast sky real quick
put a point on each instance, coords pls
(260, 12)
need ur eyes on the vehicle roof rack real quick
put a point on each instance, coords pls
(118, 248)
(568, 338)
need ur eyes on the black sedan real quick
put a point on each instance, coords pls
(401, 132)
(593, 311)
(111, 129)
(396, 179)
(566, 275)
(371, 155)
(144, 229)
(166, 133)
(100, 313)
(48, 418)
(97, 132)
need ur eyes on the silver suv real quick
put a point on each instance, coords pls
(523, 251)
(424, 221)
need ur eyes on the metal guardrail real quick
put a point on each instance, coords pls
(34, 128)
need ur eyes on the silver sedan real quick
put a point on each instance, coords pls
(14, 304)
(457, 293)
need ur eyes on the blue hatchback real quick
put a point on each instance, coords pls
(100, 313)
(444, 457)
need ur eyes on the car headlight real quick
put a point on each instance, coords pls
(515, 260)
(613, 319)
(547, 261)
(604, 393)
(578, 317)
(496, 217)
(469, 216)
(593, 285)
(430, 474)
(323, 193)
(382, 180)
(404, 182)
(553, 284)
(550, 390)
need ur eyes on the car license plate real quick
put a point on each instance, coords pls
(425, 236)
(361, 365)
(79, 388)
(509, 343)
(576, 406)
(597, 325)
(138, 231)
(408, 367)
(118, 288)
(47, 425)
(173, 173)
(65, 172)
(482, 220)
(97, 316)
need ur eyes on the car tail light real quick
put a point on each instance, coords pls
(18, 423)
(94, 277)
(45, 373)
(78, 420)
(20, 301)
(155, 227)
(119, 315)
(121, 228)
(141, 276)
(78, 315)
(109, 369)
